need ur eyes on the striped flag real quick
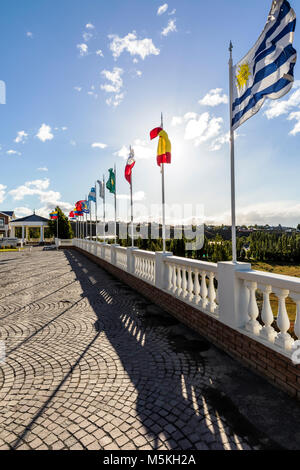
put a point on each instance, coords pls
(53, 215)
(267, 71)
(129, 165)
(164, 145)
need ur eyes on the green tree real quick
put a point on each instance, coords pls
(65, 231)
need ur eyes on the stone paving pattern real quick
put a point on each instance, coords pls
(90, 364)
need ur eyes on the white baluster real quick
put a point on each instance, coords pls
(296, 299)
(174, 279)
(211, 293)
(184, 284)
(190, 285)
(197, 288)
(267, 330)
(203, 290)
(170, 276)
(284, 339)
(179, 281)
(253, 325)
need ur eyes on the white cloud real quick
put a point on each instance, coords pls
(130, 43)
(203, 128)
(43, 168)
(30, 188)
(289, 106)
(296, 129)
(115, 100)
(78, 88)
(176, 120)
(170, 28)
(137, 196)
(190, 115)
(83, 49)
(172, 12)
(221, 140)
(45, 133)
(2, 193)
(99, 145)
(13, 152)
(162, 9)
(114, 77)
(29, 34)
(99, 53)
(89, 26)
(214, 97)
(139, 73)
(73, 143)
(22, 211)
(48, 198)
(87, 36)
(286, 213)
(135, 60)
(21, 137)
(142, 151)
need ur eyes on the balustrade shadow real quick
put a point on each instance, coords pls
(176, 397)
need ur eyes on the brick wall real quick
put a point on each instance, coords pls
(273, 366)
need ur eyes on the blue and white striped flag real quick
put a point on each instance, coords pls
(267, 70)
(92, 195)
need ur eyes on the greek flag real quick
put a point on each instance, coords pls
(267, 70)
(92, 195)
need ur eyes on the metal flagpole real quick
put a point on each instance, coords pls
(233, 217)
(96, 208)
(115, 171)
(163, 197)
(103, 208)
(86, 221)
(57, 224)
(91, 234)
(131, 205)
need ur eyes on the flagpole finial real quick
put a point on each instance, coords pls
(230, 47)
(161, 120)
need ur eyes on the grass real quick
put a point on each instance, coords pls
(5, 250)
(276, 268)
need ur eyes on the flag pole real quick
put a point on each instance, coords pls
(57, 224)
(163, 198)
(96, 208)
(115, 171)
(103, 208)
(86, 220)
(131, 206)
(233, 215)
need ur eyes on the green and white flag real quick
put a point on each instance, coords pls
(111, 183)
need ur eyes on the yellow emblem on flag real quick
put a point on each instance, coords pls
(243, 75)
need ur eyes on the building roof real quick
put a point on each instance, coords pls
(32, 218)
(9, 213)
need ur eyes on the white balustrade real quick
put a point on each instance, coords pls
(183, 281)
(144, 265)
(247, 301)
(281, 288)
(121, 257)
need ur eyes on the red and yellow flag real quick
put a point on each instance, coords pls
(164, 145)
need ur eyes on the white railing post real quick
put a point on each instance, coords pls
(230, 291)
(113, 253)
(161, 270)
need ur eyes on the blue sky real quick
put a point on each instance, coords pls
(84, 79)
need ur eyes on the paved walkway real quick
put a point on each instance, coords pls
(90, 364)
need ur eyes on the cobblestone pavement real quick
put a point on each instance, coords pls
(90, 364)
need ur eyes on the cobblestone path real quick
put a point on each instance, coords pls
(90, 364)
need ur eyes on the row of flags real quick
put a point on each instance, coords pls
(266, 71)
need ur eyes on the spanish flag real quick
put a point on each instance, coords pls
(164, 145)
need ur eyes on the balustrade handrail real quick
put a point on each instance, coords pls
(193, 263)
(143, 253)
(280, 281)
